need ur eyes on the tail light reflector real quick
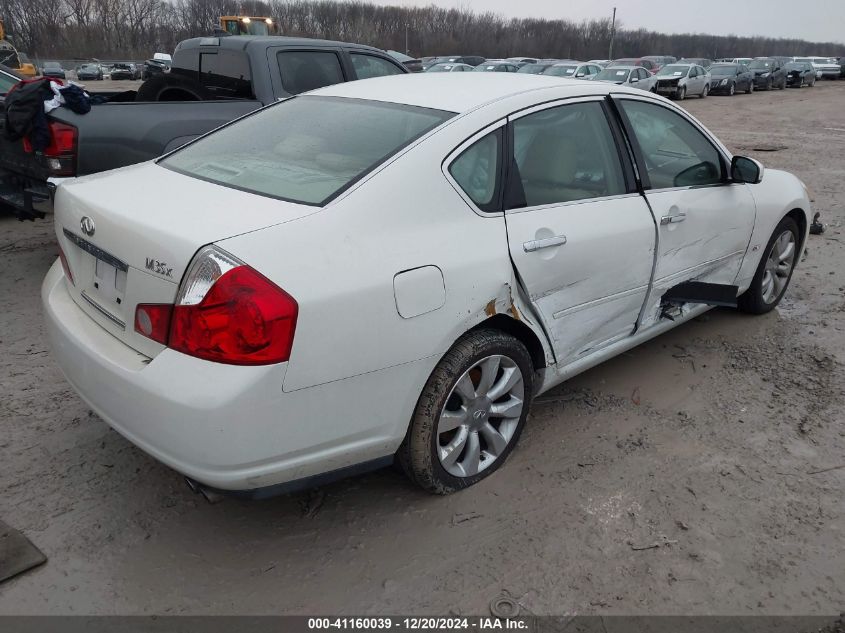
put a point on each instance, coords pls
(225, 312)
(65, 265)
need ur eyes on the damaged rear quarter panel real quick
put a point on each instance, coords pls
(339, 265)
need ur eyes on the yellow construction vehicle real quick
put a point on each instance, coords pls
(247, 25)
(10, 57)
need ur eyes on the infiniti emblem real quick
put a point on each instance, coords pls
(87, 225)
(479, 414)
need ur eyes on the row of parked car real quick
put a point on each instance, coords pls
(98, 71)
(663, 74)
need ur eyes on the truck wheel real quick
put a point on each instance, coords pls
(170, 87)
(470, 413)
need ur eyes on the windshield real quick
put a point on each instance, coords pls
(673, 71)
(613, 74)
(91, 67)
(52, 65)
(304, 149)
(561, 71)
(759, 64)
(723, 70)
(441, 68)
(795, 66)
(534, 69)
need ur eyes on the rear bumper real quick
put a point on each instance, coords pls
(229, 428)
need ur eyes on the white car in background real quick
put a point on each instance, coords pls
(397, 267)
(682, 80)
(573, 70)
(825, 67)
(628, 76)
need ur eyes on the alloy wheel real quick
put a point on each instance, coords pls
(779, 264)
(480, 416)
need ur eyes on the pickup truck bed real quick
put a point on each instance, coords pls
(228, 77)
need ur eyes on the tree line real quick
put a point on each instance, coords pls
(134, 29)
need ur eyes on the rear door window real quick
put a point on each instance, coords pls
(226, 74)
(308, 70)
(369, 66)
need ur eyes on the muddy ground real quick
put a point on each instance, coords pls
(681, 477)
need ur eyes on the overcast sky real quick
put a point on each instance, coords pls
(814, 20)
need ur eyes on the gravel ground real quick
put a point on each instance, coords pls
(683, 477)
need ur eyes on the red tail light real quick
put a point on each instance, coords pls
(226, 312)
(59, 157)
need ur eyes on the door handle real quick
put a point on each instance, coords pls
(673, 219)
(536, 245)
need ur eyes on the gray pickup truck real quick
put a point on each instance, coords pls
(213, 80)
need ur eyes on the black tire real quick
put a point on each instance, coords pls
(752, 300)
(731, 90)
(704, 92)
(682, 93)
(418, 454)
(170, 87)
(750, 88)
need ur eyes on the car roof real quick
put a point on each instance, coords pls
(241, 42)
(455, 93)
(623, 67)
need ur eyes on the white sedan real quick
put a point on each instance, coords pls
(395, 267)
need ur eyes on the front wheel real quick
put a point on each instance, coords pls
(731, 90)
(682, 93)
(470, 413)
(774, 271)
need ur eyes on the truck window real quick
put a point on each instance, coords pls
(368, 66)
(308, 70)
(226, 74)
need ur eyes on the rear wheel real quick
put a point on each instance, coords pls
(470, 413)
(705, 92)
(774, 271)
(750, 88)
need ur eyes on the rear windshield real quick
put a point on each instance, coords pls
(307, 149)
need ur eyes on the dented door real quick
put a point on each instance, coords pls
(581, 239)
(704, 220)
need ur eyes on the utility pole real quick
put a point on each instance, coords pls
(407, 48)
(612, 34)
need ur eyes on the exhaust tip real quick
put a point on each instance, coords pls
(210, 496)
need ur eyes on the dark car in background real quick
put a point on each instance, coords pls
(731, 78)
(521, 61)
(154, 67)
(698, 61)
(123, 71)
(89, 72)
(643, 62)
(497, 66)
(768, 73)
(411, 63)
(53, 69)
(661, 60)
(800, 74)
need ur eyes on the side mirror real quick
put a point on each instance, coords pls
(744, 169)
(634, 80)
(579, 75)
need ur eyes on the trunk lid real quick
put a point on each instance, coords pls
(128, 236)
